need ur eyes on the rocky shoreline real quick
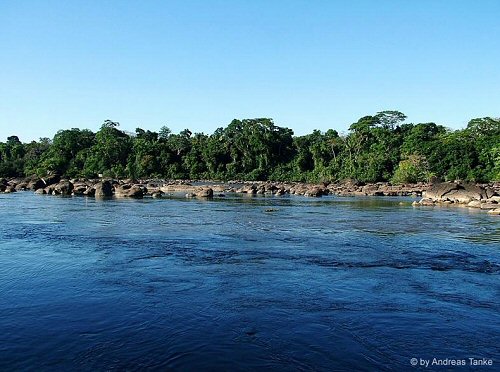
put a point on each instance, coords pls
(482, 196)
(56, 185)
(485, 197)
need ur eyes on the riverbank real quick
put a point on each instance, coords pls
(55, 185)
(482, 196)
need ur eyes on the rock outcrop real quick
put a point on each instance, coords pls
(204, 192)
(461, 194)
(35, 184)
(64, 187)
(314, 192)
(485, 197)
(103, 189)
(129, 191)
(437, 191)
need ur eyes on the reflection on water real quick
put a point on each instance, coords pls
(244, 283)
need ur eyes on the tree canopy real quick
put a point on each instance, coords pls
(379, 147)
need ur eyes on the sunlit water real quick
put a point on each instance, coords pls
(324, 284)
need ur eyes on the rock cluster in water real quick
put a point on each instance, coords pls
(55, 185)
(472, 195)
(486, 197)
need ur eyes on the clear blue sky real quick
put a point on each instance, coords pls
(199, 64)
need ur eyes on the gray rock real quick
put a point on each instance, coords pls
(489, 205)
(474, 204)
(102, 189)
(9, 189)
(490, 192)
(314, 192)
(51, 180)
(372, 190)
(36, 184)
(129, 191)
(49, 190)
(458, 196)
(79, 189)
(475, 192)
(205, 193)
(90, 191)
(456, 193)
(438, 190)
(22, 186)
(427, 202)
(64, 187)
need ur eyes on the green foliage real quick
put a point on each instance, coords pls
(109, 153)
(379, 147)
(64, 154)
(12, 157)
(413, 169)
(495, 172)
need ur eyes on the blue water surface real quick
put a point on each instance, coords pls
(245, 283)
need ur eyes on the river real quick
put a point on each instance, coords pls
(245, 283)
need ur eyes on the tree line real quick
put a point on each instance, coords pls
(380, 147)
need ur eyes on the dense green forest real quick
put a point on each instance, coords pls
(381, 147)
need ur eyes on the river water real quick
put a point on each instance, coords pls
(245, 283)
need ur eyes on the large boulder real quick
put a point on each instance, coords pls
(129, 191)
(218, 188)
(280, 191)
(8, 189)
(494, 199)
(456, 193)
(157, 194)
(314, 192)
(475, 192)
(177, 188)
(427, 202)
(91, 191)
(248, 189)
(205, 192)
(49, 190)
(51, 180)
(79, 189)
(35, 184)
(102, 190)
(474, 204)
(438, 190)
(372, 190)
(201, 192)
(458, 196)
(22, 186)
(299, 189)
(490, 192)
(64, 187)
